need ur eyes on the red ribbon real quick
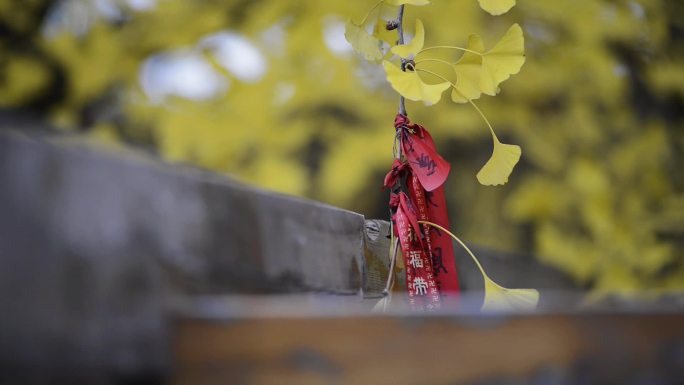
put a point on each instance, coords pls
(421, 153)
(423, 290)
(393, 175)
(431, 207)
(428, 253)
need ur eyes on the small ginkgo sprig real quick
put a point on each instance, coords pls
(477, 71)
(497, 297)
(370, 46)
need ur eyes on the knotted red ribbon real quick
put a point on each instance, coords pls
(421, 153)
(428, 254)
(393, 175)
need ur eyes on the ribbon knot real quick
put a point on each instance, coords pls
(402, 122)
(394, 174)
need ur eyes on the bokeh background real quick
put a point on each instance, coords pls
(269, 91)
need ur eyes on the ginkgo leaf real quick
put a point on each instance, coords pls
(381, 33)
(503, 60)
(497, 297)
(496, 7)
(468, 72)
(409, 85)
(362, 42)
(500, 165)
(388, 12)
(407, 2)
(411, 49)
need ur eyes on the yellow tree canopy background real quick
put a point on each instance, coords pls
(269, 91)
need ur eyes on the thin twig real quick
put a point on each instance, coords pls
(393, 262)
(397, 153)
(400, 29)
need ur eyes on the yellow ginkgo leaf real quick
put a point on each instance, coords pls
(497, 297)
(496, 7)
(411, 49)
(407, 2)
(381, 33)
(409, 85)
(500, 165)
(388, 12)
(362, 42)
(503, 60)
(468, 72)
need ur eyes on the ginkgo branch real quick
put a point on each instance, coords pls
(400, 30)
(397, 153)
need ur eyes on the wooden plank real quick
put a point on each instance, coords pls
(606, 348)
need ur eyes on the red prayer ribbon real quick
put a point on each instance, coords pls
(428, 253)
(420, 151)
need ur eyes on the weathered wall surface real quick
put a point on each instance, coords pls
(92, 243)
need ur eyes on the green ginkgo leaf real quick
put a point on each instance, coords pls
(363, 43)
(500, 165)
(412, 48)
(468, 72)
(496, 7)
(503, 60)
(497, 297)
(407, 2)
(409, 85)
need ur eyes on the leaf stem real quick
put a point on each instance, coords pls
(371, 11)
(449, 47)
(477, 262)
(496, 139)
(433, 60)
(394, 249)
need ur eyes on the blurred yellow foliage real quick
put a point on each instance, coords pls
(597, 109)
(28, 77)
